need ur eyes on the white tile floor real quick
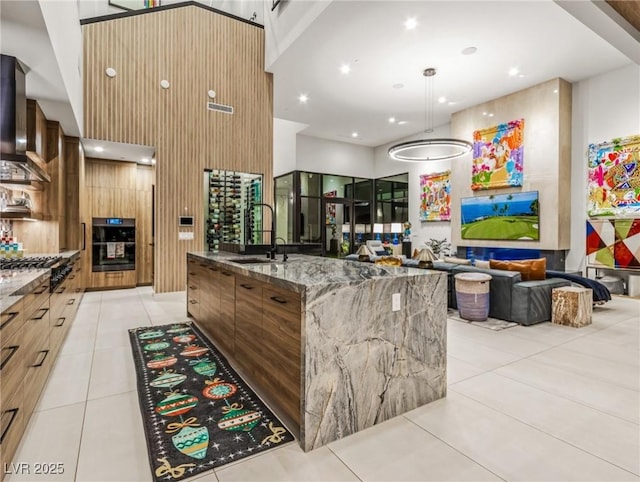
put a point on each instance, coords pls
(543, 402)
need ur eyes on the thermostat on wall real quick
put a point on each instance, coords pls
(185, 220)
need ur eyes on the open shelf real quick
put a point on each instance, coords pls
(25, 216)
(26, 185)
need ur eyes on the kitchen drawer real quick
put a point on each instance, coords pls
(38, 370)
(11, 321)
(38, 296)
(193, 307)
(12, 425)
(12, 365)
(281, 301)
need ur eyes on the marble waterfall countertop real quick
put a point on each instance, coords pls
(363, 360)
(302, 271)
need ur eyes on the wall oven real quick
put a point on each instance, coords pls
(114, 244)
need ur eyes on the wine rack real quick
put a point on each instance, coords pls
(232, 216)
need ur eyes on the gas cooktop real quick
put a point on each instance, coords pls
(41, 262)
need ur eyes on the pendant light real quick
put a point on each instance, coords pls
(429, 149)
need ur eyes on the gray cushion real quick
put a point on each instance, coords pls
(532, 300)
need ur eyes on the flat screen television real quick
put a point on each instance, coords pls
(513, 216)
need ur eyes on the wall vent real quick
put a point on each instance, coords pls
(227, 109)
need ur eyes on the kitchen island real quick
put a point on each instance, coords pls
(334, 346)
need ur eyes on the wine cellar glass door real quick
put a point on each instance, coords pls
(231, 214)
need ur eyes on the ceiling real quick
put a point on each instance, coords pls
(540, 38)
(119, 151)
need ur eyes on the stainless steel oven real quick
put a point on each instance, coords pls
(114, 244)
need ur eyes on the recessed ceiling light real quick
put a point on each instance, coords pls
(354, 134)
(491, 114)
(98, 149)
(469, 51)
(398, 86)
(145, 160)
(484, 113)
(442, 99)
(303, 98)
(451, 103)
(345, 68)
(521, 75)
(153, 161)
(392, 120)
(411, 23)
(555, 91)
(513, 71)
(401, 123)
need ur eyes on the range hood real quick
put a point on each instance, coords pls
(16, 163)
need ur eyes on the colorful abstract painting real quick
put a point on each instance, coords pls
(501, 216)
(331, 209)
(498, 156)
(614, 178)
(613, 243)
(435, 196)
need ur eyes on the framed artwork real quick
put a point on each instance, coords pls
(331, 208)
(613, 243)
(435, 196)
(502, 216)
(498, 156)
(134, 4)
(614, 178)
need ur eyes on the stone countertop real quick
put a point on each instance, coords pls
(68, 254)
(303, 271)
(14, 284)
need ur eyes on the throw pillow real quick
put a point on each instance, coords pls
(482, 264)
(389, 261)
(381, 252)
(457, 260)
(530, 269)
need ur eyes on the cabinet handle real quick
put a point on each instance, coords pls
(277, 299)
(213, 269)
(61, 290)
(12, 316)
(192, 274)
(115, 273)
(44, 312)
(46, 352)
(193, 302)
(84, 236)
(71, 301)
(13, 412)
(246, 287)
(13, 349)
(225, 273)
(202, 265)
(192, 288)
(60, 323)
(44, 288)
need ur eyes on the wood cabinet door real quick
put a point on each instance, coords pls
(281, 342)
(248, 335)
(227, 313)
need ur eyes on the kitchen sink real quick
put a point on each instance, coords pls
(250, 260)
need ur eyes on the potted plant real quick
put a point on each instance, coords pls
(440, 247)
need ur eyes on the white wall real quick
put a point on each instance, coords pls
(284, 145)
(284, 25)
(333, 157)
(62, 20)
(604, 107)
(385, 166)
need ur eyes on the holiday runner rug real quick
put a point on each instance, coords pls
(198, 413)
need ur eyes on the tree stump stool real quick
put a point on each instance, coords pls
(571, 306)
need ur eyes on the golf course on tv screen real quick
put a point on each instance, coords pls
(502, 216)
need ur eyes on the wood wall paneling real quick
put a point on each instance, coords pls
(195, 51)
(144, 239)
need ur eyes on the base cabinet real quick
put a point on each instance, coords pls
(257, 325)
(113, 279)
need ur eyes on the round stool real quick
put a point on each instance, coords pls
(472, 295)
(614, 284)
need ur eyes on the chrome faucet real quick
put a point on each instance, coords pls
(272, 250)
